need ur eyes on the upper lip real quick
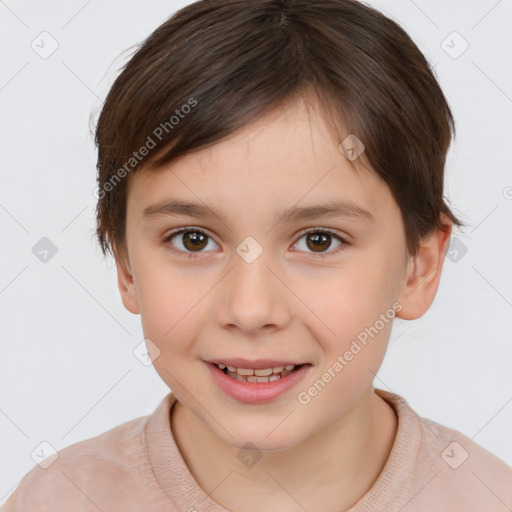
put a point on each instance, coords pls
(256, 364)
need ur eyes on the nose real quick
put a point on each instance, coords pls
(253, 298)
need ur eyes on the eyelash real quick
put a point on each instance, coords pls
(191, 255)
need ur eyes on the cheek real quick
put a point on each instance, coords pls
(359, 313)
(356, 309)
(171, 320)
(351, 299)
(171, 302)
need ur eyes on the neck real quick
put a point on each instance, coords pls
(340, 463)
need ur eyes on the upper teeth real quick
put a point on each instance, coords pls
(259, 372)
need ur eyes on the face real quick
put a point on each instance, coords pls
(258, 282)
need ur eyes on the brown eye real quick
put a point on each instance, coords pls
(190, 240)
(319, 241)
(193, 240)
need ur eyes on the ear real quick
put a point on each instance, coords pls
(424, 273)
(126, 283)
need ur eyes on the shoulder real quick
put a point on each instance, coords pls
(84, 476)
(449, 470)
(463, 469)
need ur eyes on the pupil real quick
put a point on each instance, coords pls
(319, 242)
(196, 239)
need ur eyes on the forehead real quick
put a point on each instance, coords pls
(288, 157)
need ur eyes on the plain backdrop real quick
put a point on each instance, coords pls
(67, 366)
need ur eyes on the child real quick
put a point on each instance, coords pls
(270, 182)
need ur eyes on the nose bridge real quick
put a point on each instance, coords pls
(252, 296)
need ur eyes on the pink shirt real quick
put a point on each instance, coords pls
(138, 467)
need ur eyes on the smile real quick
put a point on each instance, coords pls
(256, 381)
(258, 374)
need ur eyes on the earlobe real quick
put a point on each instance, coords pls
(424, 273)
(126, 285)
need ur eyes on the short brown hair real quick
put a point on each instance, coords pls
(230, 61)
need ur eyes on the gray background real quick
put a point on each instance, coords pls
(67, 366)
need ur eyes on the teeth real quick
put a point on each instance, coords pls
(253, 378)
(256, 378)
(259, 374)
(263, 372)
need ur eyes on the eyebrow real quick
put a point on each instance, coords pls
(290, 214)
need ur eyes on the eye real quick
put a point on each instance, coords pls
(192, 239)
(320, 239)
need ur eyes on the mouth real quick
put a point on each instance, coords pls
(256, 381)
(260, 375)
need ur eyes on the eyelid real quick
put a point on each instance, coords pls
(184, 229)
(341, 238)
(317, 229)
(167, 238)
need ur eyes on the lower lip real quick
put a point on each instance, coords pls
(256, 392)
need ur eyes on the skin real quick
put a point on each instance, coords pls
(289, 303)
